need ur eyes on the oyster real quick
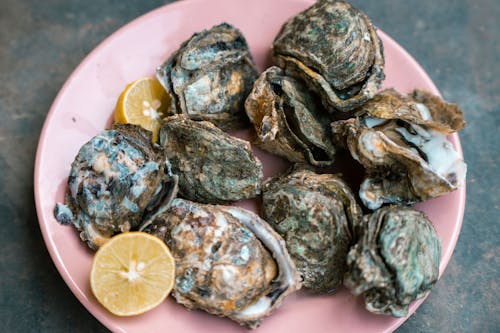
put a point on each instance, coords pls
(395, 261)
(210, 76)
(117, 178)
(401, 141)
(334, 47)
(315, 214)
(229, 262)
(213, 166)
(289, 121)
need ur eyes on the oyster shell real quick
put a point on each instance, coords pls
(213, 166)
(229, 262)
(288, 120)
(117, 178)
(401, 141)
(420, 107)
(335, 49)
(315, 214)
(395, 261)
(210, 76)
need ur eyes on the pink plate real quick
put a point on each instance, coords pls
(85, 105)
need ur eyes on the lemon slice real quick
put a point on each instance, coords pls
(132, 273)
(144, 102)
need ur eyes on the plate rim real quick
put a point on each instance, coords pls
(41, 146)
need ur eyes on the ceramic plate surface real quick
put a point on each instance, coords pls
(84, 107)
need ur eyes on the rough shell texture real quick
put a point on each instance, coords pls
(116, 180)
(229, 262)
(395, 261)
(401, 141)
(213, 166)
(210, 76)
(289, 120)
(420, 107)
(315, 214)
(334, 47)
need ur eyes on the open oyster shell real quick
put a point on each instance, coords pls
(395, 261)
(401, 141)
(315, 214)
(288, 120)
(213, 166)
(420, 107)
(335, 49)
(210, 76)
(229, 262)
(116, 180)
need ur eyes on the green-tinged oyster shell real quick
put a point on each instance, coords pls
(116, 180)
(335, 49)
(213, 166)
(229, 262)
(289, 120)
(395, 261)
(210, 76)
(401, 141)
(315, 214)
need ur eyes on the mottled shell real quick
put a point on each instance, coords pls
(401, 141)
(315, 214)
(289, 120)
(335, 49)
(229, 262)
(213, 166)
(395, 261)
(420, 107)
(210, 76)
(117, 179)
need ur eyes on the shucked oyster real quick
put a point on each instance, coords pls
(289, 121)
(401, 141)
(229, 262)
(117, 178)
(213, 166)
(395, 261)
(315, 214)
(334, 47)
(210, 76)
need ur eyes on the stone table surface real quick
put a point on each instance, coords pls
(457, 42)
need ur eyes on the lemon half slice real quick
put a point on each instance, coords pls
(132, 273)
(144, 102)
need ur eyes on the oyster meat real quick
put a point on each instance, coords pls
(401, 141)
(210, 76)
(395, 261)
(229, 262)
(213, 166)
(117, 179)
(335, 49)
(289, 120)
(315, 214)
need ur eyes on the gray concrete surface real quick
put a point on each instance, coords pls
(41, 42)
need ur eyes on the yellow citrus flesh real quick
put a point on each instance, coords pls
(132, 273)
(144, 102)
